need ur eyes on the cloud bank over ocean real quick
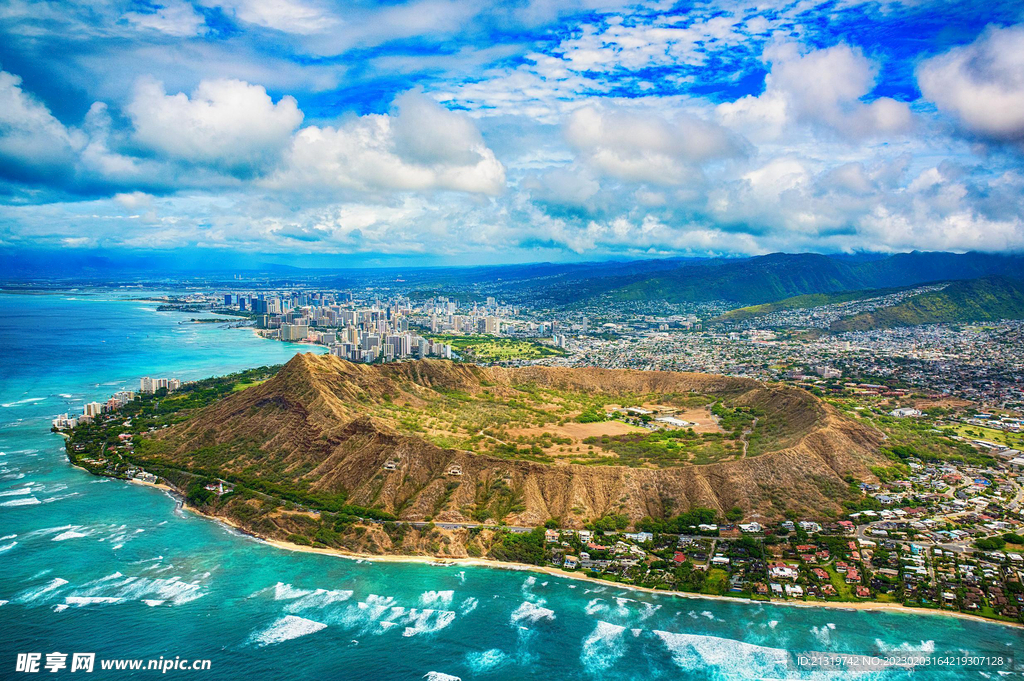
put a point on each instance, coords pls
(502, 131)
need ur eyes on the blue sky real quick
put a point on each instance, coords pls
(440, 131)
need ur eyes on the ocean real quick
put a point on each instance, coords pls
(91, 565)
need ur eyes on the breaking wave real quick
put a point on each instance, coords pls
(734, 659)
(603, 647)
(28, 501)
(285, 629)
(430, 599)
(531, 612)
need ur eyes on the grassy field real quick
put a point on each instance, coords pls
(1015, 440)
(839, 582)
(717, 582)
(248, 384)
(482, 348)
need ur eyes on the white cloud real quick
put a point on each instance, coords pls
(647, 148)
(640, 44)
(825, 87)
(134, 200)
(288, 16)
(228, 124)
(174, 18)
(981, 84)
(421, 146)
(542, 89)
(33, 143)
(566, 187)
(429, 134)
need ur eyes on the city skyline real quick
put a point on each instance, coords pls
(443, 133)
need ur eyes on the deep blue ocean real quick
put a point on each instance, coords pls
(95, 565)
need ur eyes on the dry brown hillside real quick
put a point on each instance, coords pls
(328, 427)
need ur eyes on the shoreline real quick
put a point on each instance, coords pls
(558, 572)
(154, 485)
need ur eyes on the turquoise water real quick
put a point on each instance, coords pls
(94, 565)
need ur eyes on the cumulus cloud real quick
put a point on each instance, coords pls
(825, 87)
(227, 124)
(563, 188)
(616, 130)
(420, 146)
(33, 143)
(429, 134)
(981, 84)
(648, 148)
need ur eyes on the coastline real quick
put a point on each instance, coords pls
(155, 485)
(558, 572)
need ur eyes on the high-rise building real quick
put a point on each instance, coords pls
(294, 332)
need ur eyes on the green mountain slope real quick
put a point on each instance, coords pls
(978, 300)
(764, 279)
(803, 302)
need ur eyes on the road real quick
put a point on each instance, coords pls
(419, 525)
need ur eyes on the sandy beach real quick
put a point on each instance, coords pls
(156, 485)
(557, 572)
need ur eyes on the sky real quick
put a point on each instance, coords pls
(470, 132)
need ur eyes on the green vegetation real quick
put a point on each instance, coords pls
(97, 445)
(987, 299)
(609, 523)
(990, 544)
(661, 448)
(591, 415)
(665, 448)
(911, 438)
(520, 548)
(779, 276)
(801, 302)
(683, 523)
(533, 423)
(1015, 440)
(481, 348)
(242, 385)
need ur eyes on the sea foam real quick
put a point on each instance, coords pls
(430, 599)
(285, 629)
(603, 647)
(486, 660)
(531, 612)
(38, 593)
(734, 658)
(27, 501)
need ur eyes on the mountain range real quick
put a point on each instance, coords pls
(976, 300)
(769, 278)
